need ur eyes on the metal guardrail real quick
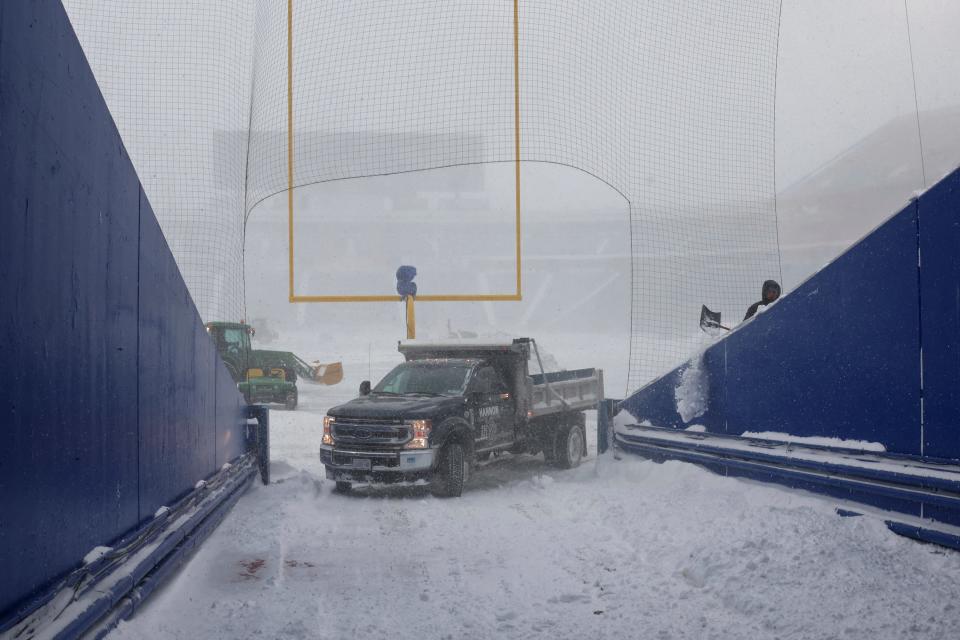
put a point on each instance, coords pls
(915, 498)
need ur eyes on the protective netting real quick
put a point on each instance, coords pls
(176, 76)
(670, 102)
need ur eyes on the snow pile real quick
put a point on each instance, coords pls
(95, 554)
(623, 419)
(626, 549)
(837, 443)
(531, 551)
(693, 393)
(549, 361)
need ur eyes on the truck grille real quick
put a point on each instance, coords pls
(346, 458)
(370, 432)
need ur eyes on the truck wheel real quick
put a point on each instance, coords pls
(290, 402)
(569, 446)
(342, 487)
(447, 481)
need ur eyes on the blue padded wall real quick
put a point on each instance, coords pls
(939, 212)
(68, 285)
(230, 441)
(113, 399)
(176, 360)
(657, 402)
(840, 356)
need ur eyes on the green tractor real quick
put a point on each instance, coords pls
(258, 382)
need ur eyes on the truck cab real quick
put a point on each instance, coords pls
(432, 417)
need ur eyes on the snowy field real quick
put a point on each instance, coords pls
(614, 549)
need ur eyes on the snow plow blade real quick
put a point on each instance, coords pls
(331, 373)
(319, 372)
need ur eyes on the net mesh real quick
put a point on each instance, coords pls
(176, 76)
(669, 102)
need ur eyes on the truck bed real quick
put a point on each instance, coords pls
(537, 395)
(576, 390)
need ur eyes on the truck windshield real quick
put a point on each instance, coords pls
(433, 379)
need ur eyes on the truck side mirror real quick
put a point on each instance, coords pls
(365, 388)
(476, 397)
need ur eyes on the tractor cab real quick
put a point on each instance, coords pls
(233, 345)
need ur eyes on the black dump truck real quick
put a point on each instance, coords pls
(451, 405)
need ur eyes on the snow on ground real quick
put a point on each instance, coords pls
(614, 549)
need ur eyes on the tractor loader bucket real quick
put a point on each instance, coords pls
(331, 373)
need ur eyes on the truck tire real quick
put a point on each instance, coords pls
(290, 402)
(448, 480)
(569, 448)
(342, 487)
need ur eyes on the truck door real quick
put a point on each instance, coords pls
(505, 419)
(492, 407)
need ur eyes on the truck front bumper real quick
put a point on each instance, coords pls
(376, 466)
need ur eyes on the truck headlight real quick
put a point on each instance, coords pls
(327, 433)
(421, 433)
